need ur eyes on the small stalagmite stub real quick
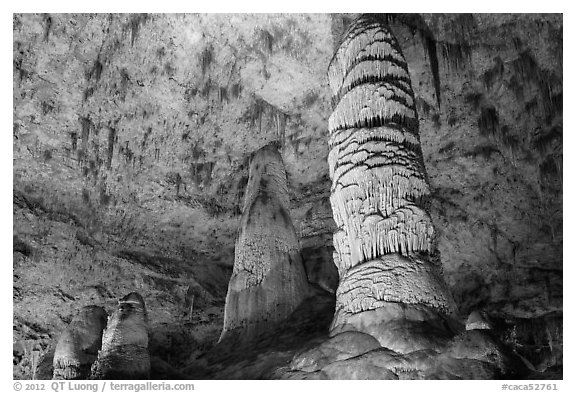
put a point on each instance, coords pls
(124, 353)
(77, 348)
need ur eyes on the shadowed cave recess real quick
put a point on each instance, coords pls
(287, 196)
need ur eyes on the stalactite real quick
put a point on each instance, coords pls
(136, 20)
(206, 59)
(456, 55)
(280, 122)
(494, 73)
(47, 27)
(545, 141)
(385, 248)
(110, 152)
(268, 279)
(417, 24)
(488, 122)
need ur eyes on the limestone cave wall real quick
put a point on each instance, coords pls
(131, 142)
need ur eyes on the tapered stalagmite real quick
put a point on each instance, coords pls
(268, 280)
(385, 246)
(78, 346)
(124, 353)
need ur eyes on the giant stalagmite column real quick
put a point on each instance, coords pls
(385, 250)
(124, 353)
(268, 280)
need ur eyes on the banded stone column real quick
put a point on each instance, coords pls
(124, 353)
(385, 248)
(78, 346)
(268, 279)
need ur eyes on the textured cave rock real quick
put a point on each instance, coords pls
(78, 347)
(131, 140)
(480, 346)
(478, 321)
(385, 247)
(342, 346)
(268, 280)
(124, 353)
(470, 355)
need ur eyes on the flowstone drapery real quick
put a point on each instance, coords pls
(268, 280)
(385, 248)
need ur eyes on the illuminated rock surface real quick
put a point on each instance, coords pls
(477, 321)
(268, 280)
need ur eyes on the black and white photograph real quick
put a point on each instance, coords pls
(287, 196)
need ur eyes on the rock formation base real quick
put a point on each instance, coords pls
(432, 355)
